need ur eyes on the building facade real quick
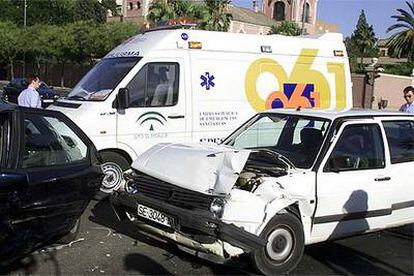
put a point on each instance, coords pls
(255, 20)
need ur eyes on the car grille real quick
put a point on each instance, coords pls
(171, 194)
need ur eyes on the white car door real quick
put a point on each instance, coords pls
(353, 183)
(400, 138)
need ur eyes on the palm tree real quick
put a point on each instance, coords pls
(217, 17)
(401, 44)
(162, 10)
(285, 28)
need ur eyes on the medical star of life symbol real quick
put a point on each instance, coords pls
(207, 80)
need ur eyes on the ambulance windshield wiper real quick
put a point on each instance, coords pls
(76, 97)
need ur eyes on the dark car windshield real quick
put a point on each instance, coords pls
(298, 138)
(99, 82)
(18, 82)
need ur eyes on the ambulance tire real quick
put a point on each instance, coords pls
(285, 246)
(113, 167)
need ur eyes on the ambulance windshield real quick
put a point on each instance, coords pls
(99, 82)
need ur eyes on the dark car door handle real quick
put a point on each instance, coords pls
(383, 178)
(176, 116)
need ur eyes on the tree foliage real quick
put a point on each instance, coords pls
(110, 5)
(10, 43)
(89, 10)
(55, 12)
(285, 28)
(79, 42)
(163, 10)
(213, 15)
(402, 69)
(401, 44)
(363, 42)
(218, 17)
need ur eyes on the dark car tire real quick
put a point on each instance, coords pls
(285, 245)
(113, 166)
(73, 233)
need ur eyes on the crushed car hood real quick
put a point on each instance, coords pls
(206, 169)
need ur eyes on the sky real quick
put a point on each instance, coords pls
(345, 13)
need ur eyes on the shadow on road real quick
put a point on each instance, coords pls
(338, 258)
(103, 214)
(30, 264)
(143, 265)
(26, 266)
(345, 260)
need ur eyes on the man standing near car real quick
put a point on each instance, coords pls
(409, 98)
(30, 97)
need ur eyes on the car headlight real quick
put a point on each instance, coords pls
(217, 207)
(131, 187)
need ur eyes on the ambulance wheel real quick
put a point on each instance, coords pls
(285, 245)
(113, 167)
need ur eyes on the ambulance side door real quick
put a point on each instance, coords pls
(157, 110)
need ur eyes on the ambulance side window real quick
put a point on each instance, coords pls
(155, 85)
(136, 88)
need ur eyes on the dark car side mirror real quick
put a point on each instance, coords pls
(12, 180)
(122, 99)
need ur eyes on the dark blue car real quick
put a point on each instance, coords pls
(49, 172)
(13, 89)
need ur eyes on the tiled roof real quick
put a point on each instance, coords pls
(249, 16)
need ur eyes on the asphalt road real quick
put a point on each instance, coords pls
(108, 247)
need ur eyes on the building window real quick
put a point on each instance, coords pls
(382, 53)
(279, 11)
(131, 6)
(307, 13)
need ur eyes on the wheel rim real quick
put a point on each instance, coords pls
(113, 176)
(280, 244)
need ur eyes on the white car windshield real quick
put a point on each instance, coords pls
(99, 82)
(296, 138)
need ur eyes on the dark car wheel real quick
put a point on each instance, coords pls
(285, 245)
(113, 167)
(73, 233)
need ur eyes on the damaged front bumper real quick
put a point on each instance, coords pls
(199, 230)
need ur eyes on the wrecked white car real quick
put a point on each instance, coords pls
(283, 180)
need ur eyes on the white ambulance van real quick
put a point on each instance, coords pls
(181, 85)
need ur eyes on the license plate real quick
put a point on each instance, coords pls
(48, 101)
(153, 215)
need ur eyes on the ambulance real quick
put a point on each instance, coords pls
(180, 85)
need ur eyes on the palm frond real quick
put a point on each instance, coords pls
(397, 26)
(411, 6)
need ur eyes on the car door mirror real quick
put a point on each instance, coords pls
(122, 99)
(10, 180)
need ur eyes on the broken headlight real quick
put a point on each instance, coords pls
(217, 207)
(131, 186)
